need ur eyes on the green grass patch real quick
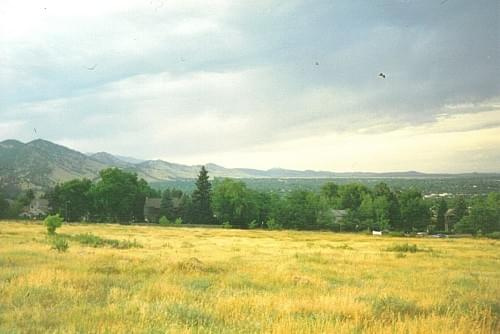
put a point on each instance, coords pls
(91, 240)
(190, 316)
(316, 258)
(393, 306)
(403, 248)
(199, 284)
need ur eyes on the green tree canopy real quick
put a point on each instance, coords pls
(484, 215)
(120, 196)
(4, 207)
(350, 195)
(460, 207)
(233, 202)
(71, 199)
(441, 208)
(415, 213)
(330, 192)
(300, 210)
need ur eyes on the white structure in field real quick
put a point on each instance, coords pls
(38, 208)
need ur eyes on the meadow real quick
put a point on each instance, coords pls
(152, 279)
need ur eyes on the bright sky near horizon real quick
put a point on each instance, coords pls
(258, 84)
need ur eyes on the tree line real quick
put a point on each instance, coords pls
(119, 196)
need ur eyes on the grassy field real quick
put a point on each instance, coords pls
(139, 279)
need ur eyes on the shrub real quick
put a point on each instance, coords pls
(126, 244)
(253, 224)
(164, 221)
(227, 225)
(178, 221)
(403, 248)
(52, 222)
(95, 241)
(396, 234)
(494, 235)
(89, 239)
(272, 224)
(60, 244)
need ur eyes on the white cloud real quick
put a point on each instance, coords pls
(193, 80)
(436, 148)
(10, 129)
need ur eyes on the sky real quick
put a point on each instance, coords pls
(258, 84)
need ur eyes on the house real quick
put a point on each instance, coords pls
(152, 209)
(38, 208)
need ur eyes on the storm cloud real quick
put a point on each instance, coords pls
(230, 82)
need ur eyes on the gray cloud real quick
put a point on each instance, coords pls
(243, 74)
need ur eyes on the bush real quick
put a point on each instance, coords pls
(403, 248)
(125, 244)
(164, 221)
(89, 239)
(60, 244)
(494, 235)
(52, 222)
(178, 221)
(272, 224)
(253, 224)
(227, 225)
(95, 241)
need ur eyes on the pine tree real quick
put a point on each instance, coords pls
(202, 199)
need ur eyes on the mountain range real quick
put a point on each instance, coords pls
(42, 164)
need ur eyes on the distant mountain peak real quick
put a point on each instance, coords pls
(212, 165)
(45, 143)
(40, 140)
(131, 160)
(42, 164)
(109, 159)
(11, 143)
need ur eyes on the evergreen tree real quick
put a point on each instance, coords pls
(202, 206)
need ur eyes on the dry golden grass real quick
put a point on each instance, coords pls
(228, 281)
